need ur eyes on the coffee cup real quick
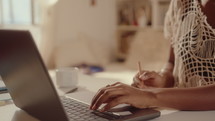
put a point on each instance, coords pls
(67, 77)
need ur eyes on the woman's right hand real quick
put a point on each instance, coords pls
(119, 93)
(146, 79)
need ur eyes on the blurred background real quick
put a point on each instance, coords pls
(96, 35)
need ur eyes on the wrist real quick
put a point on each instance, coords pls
(167, 77)
(156, 97)
(151, 97)
(168, 69)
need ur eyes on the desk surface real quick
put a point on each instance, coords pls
(88, 86)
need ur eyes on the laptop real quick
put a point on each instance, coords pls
(31, 88)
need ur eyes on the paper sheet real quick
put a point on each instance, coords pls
(5, 97)
(2, 83)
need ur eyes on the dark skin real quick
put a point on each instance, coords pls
(155, 88)
(208, 9)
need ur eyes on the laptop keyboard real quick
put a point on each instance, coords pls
(78, 111)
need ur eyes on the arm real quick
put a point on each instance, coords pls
(167, 71)
(198, 98)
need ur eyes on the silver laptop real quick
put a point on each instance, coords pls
(32, 90)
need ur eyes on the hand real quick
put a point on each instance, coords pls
(148, 79)
(120, 93)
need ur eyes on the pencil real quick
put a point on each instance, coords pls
(139, 73)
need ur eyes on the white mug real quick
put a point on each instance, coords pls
(67, 77)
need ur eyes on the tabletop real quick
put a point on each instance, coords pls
(87, 87)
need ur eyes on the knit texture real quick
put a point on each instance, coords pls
(193, 40)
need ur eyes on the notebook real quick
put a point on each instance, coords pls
(31, 88)
(4, 96)
(3, 88)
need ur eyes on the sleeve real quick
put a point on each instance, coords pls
(170, 19)
(168, 26)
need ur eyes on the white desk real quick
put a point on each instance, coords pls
(86, 83)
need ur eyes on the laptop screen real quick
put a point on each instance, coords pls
(26, 77)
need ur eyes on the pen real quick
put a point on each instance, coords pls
(139, 73)
(70, 91)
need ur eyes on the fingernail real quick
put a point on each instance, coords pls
(102, 110)
(143, 77)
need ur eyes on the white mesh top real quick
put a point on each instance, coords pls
(193, 40)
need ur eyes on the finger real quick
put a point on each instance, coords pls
(106, 96)
(134, 84)
(147, 75)
(136, 80)
(144, 73)
(150, 82)
(107, 85)
(116, 84)
(142, 85)
(138, 83)
(116, 101)
(102, 90)
(140, 73)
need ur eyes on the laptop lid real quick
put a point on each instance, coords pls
(26, 77)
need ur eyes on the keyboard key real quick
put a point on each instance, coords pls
(78, 111)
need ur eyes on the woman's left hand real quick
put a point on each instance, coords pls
(148, 79)
(120, 93)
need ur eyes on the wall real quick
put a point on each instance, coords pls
(75, 17)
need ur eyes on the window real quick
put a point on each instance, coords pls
(19, 12)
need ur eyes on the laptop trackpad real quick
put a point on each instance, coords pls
(82, 95)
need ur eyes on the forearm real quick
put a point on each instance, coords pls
(199, 98)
